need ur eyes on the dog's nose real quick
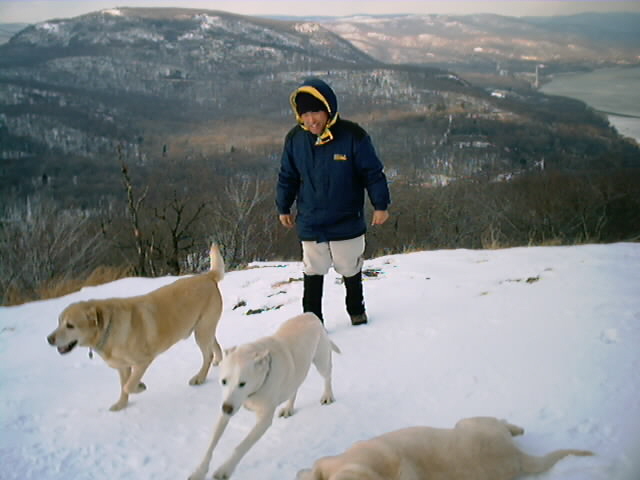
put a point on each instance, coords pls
(51, 339)
(226, 408)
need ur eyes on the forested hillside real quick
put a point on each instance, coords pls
(131, 138)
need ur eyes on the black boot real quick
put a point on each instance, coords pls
(312, 295)
(355, 299)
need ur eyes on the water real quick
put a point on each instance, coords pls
(614, 91)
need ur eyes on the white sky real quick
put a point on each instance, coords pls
(35, 11)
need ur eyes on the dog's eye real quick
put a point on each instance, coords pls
(223, 381)
(242, 384)
(70, 327)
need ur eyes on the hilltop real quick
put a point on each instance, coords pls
(545, 337)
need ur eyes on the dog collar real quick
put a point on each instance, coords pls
(100, 345)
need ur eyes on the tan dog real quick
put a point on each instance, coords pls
(263, 374)
(129, 333)
(479, 448)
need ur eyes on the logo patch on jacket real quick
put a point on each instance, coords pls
(340, 157)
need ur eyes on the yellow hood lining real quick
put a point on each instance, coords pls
(333, 116)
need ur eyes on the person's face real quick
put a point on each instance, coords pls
(315, 122)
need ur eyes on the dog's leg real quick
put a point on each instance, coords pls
(322, 362)
(134, 385)
(263, 421)
(200, 473)
(287, 410)
(124, 374)
(217, 351)
(211, 353)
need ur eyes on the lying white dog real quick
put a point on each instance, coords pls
(479, 448)
(263, 374)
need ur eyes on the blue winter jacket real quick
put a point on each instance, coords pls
(326, 176)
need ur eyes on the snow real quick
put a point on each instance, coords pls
(112, 11)
(49, 27)
(307, 27)
(546, 337)
(210, 21)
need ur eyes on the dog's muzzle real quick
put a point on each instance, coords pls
(63, 348)
(227, 409)
(67, 348)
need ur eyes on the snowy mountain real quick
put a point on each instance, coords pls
(546, 337)
(486, 42)
(192, 83)
(79, 85)
(213, 38)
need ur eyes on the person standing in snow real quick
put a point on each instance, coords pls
(327, 164)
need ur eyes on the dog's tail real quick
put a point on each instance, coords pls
(216, 265)
(531, 464)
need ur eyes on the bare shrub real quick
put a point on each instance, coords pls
(244, 227)
(550, 208)
(101, 275)
(41, 244)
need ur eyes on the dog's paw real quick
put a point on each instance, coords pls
(119, 405)
(223, 473)
(285, 412)
(197, 475)
(327, 399)
(197, 380)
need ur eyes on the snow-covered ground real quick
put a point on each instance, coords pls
(547, 337)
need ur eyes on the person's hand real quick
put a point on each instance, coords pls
(287, 220)
(379, 217)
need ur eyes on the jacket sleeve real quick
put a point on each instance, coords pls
(288, 180)
(372, 174)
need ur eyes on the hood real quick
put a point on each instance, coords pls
(323, 92)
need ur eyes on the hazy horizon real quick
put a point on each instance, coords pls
(28, 11)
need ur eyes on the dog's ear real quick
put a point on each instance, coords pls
(227, 351)
(97, 316)
(261, 357)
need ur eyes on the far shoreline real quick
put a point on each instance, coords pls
(617, 114)
(620, 123)
(626, 123)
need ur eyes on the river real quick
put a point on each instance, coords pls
(614, 91)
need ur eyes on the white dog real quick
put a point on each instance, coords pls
(263, 374)
(479, 448)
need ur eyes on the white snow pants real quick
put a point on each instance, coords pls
(346, 256)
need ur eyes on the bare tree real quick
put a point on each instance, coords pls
(144, 244)
(241, 229)
(179, 218)
(41, 244)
